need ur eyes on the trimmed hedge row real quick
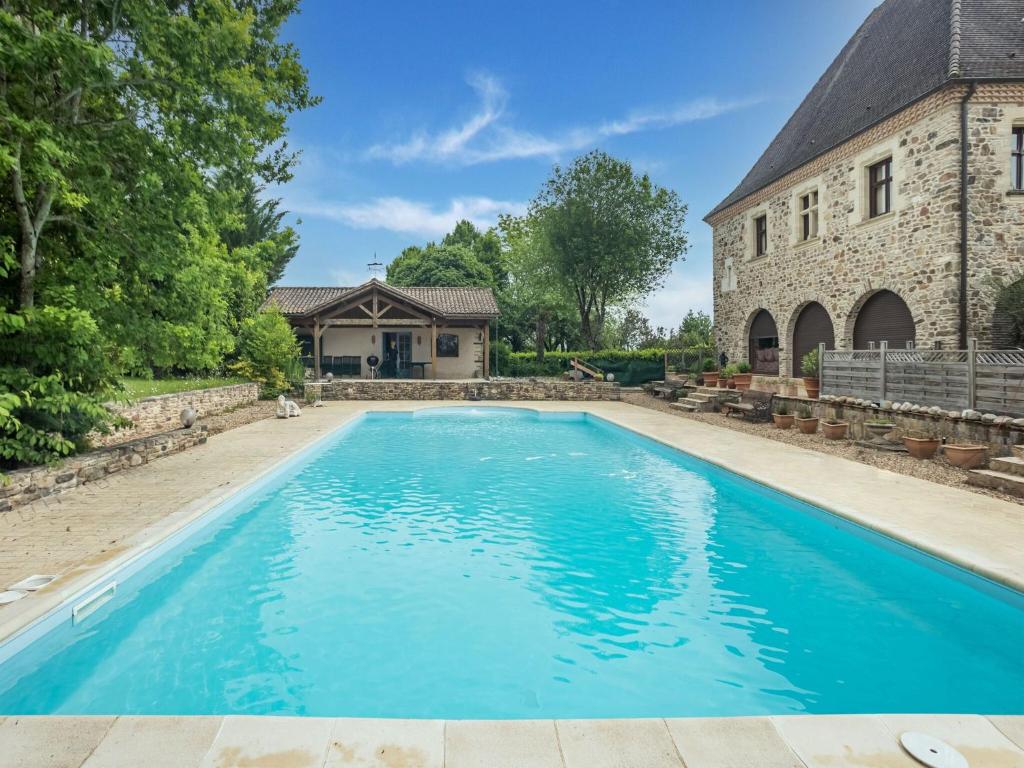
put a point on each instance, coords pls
(631, 367)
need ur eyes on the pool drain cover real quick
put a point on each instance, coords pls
(932, 752)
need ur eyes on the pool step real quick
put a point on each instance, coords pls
(1000, 481)
(1007, 465)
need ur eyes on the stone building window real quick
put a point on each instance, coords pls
(1017, 160)
(728, 276)
(760, 236)
(809, 215)
(880, 188)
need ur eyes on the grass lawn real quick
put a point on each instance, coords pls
(139, 388)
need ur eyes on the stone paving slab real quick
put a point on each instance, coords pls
(841, 741)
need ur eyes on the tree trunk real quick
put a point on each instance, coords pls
(539, 343)
(29, 244)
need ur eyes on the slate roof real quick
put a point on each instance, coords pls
(904, 50)
(446, 302)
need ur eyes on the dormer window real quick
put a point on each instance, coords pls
(1017, 160)
(809, 215)
(880, 188)
(761, 236)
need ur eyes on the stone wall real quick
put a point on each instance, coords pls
(160, 413)
(999, 437)
(27, 485)
(913, 251)
(504, 389)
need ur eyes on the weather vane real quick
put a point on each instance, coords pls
(375, 267)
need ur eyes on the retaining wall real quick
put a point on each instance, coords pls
(28, 485)
(504, 389)
(161, 413)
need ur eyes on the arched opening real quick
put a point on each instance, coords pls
(764, 344)
(884, 317)
(813, 327)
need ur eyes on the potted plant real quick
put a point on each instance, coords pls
(782, 417)
(810, 367)
(806, 421)
(965, 456)
(921, 445)
(729, 374)
(743, 376)
(833, 429)
(710, 373)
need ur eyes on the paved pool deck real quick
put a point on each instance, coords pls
(84, 534)
(856, 741)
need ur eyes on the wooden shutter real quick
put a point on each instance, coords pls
(884, 317)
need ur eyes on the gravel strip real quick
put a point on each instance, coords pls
(937, 470)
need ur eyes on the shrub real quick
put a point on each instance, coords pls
(631, 367)
(804, 412)
(709, 366)
(268, 353)
(729, 371)
(743, 367)
(809, 364)
(782, 409)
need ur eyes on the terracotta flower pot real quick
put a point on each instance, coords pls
(835, 431)
(807, 426)
(921, 447)
(783, 420)
(813, 387)
(723, 383)
(731, 383)
(711, 378)
(743, 381)
(965, 456)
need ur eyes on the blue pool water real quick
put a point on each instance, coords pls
(500, 564)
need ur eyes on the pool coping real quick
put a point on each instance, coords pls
(21, 617)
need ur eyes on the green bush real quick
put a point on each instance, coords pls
(709, 366)
(743, 367)
(809, 364)
(268, 353)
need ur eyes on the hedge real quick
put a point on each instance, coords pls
(630, 367)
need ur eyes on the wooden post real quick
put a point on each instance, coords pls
(316, 348)
(972, 372)
(433, 347)
(883, 349)
(487, 350)
(821, 368)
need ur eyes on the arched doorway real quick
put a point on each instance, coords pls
(813, 327)
(884, 317)
(763, 351)
(1008, 317)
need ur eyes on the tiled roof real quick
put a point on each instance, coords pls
(447, 302)
(904, 50)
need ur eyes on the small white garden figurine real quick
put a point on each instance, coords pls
(286, 408)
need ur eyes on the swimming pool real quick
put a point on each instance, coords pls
(500, 563)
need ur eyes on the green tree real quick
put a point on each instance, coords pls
(438, 265)
(613, 236)
(115, 120)
(268, 352)
(696, 331)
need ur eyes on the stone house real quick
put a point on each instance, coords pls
(891, 204)
(430, 333)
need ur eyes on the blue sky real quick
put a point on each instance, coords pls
(435, 111)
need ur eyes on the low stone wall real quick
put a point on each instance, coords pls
(27, 485)
(998, 436)
(161, 413)
(503, 389)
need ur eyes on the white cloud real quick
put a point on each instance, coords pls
(486, 136)
(682, 292)
(398, 214)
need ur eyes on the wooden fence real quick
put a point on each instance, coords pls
(989, 380)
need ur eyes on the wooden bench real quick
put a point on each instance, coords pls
(753, 405)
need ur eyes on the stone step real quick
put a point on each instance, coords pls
(1010, 465)
(682, 405)
(1000, 481)
(700, 398)
(1018, 451)
(695, 402)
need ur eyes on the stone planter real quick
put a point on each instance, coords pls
(921, 447)
(783, 420)
(807, 426)
(836, 430)
(966, 456)
(812, 386)
(711, 378)
(743, 381)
